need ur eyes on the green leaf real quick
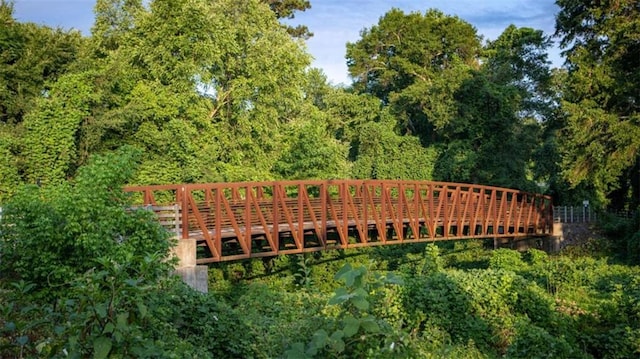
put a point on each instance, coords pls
(341, 295)
(345, 269)
(360, 292)
(370, 325)
(10, 326)
(320, 338)
(101, 310)
(132, 282)
(101, 347)
(350, 278)
(337, 335)
(109, 328)
(360, 303)
(122, 322)
(296, 351)
(58, 329)
(338, 345)
(351, 326)
(392, 278)
(142, 309)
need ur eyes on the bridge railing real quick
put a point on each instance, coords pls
(251, 219)
(169, 216)
(574, 214)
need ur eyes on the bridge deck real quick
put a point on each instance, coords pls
(242, 220)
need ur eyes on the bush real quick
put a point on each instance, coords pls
(64, 228)
(90, 265)
(534, 342)
(507, 259)
(356, 331)
(536, 257)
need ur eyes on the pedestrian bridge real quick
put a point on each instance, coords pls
(231, 221)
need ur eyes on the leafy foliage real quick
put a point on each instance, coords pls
(600, 101)
(68, 226)
(220, 91)
(358, 331)
(285, 9)
(31, 58)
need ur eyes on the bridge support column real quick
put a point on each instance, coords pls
(195, 276)
(557, 237)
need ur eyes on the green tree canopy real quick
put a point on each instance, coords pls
(204, 88)
(502, 111)
(31, 58)
(414, 63)
(602, 136)
(285, 9)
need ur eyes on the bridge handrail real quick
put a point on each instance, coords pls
(574, 214)
(442, 210)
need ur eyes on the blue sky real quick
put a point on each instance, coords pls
(336, 22)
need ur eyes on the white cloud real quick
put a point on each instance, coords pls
(336, 22)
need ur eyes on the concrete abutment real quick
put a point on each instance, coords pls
(563, 234)
(196, 276)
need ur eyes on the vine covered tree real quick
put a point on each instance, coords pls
(481, 111)
(502, 111)
(602, 96)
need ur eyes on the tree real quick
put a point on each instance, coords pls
(312, 153)
(203, 88)
(257, 89)
(114, 19)
(49, 145)
(602, 136)
(414, 63)
(9, 174)
(384, 154)
(502, 109)
(487, 142)
(518, 58)
(479, 111)
(31, 57)
(284, 9)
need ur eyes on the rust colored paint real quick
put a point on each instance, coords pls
(233, 221)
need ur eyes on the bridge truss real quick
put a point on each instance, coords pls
(231, 221)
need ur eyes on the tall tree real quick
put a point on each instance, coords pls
(257, 88)
(203, 88)
(31, 57)
(114, 18)
(285, 9)
(51, 130)
(502, 109)
(414, 63)
(602, 97)
(480, 110)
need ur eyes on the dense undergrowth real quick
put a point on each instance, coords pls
(505, 304)
(83, 276)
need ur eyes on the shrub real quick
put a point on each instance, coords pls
(356, 331)
(64, 228)
(90, 263)
(508, 259)
(534, 342)
(536, 257)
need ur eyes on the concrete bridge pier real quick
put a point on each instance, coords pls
(196, 276)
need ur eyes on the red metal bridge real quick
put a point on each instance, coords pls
(233, 221)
